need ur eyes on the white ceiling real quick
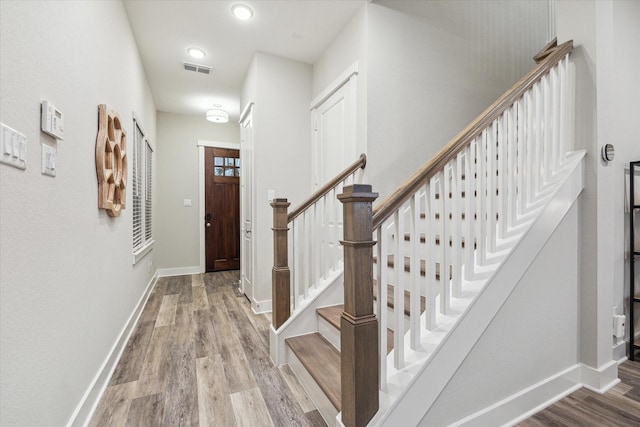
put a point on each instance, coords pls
(295, 29)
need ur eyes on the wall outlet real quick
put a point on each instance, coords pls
(619, 321)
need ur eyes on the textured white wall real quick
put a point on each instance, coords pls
(67, 284)
(606, 37)
(281, 90)
(622, 73)
(533, 337)
(432, 68)
(348, 48)
(177, 227)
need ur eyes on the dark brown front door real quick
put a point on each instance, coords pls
(222, 208)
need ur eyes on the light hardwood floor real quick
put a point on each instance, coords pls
(200, 357)
(620, 406)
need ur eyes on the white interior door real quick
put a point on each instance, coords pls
(246, 204)
(334, 128)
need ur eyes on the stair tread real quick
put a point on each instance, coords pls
(322, 361)
(332, 314)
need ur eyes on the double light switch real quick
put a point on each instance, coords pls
(13, 147)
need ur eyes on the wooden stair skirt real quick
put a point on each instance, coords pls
(321, 359)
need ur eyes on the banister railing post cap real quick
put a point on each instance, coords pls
(357, 192)
(280, 203)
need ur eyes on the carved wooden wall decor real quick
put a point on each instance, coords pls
(111, 161)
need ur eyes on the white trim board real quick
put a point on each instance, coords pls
(178, 271)
(537, 397)
(260, 307)
(335, 85)
(89, 402)
(201, 146)
(601, 379)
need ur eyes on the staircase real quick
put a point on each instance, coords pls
(425, 272)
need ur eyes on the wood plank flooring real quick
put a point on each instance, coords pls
(200, 357)
(620, 406)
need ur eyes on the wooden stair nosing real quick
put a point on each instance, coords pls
(322, 361)
(333, 313)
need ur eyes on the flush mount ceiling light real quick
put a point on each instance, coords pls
(242, 11)
(217, 115)
(196, 52)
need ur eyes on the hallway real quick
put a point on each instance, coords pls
(200, 357)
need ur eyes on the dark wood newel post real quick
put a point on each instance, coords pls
(280, 275)
(359, 326)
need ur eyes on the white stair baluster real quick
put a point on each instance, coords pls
(521, 120)
(491, 187)
(414, 298)
(398, 289)
(381, 302)
(430, 295)
(470, 187)
(456, 236)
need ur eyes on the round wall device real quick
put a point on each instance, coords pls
(607, 152)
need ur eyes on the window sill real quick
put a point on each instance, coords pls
(140, 253)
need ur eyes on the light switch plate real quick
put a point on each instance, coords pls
(13, 147)
(48, 160)
(187, 203)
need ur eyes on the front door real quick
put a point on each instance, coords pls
(222, 209)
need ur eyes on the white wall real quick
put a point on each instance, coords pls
(347, 49)
(177, 227)
(281, 91)
(622, 129)
(67, 283)
(606, 36)
(429, 74)
(533, 337)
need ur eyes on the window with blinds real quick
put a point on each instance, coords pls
(142, 192)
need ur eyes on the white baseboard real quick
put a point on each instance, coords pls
(619, 351)
(260, 307)
(89, 402)
(601, 379)
(178, 271)
(537, 397)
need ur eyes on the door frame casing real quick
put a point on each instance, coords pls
(202, 144)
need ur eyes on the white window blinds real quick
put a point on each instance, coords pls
(142, 190)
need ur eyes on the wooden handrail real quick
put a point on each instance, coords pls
(358, 164)
(385, 209)
(546, 51)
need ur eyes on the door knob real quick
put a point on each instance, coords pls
(208, 224)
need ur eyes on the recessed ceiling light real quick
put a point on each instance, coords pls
(242, 11)
(196, 52)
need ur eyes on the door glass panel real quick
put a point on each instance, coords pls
(229, 161)
(228, 172)
(217, 161)
(237, 163)
(237, 171)
(218, 171)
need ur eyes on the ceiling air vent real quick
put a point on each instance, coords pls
(202, 69)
